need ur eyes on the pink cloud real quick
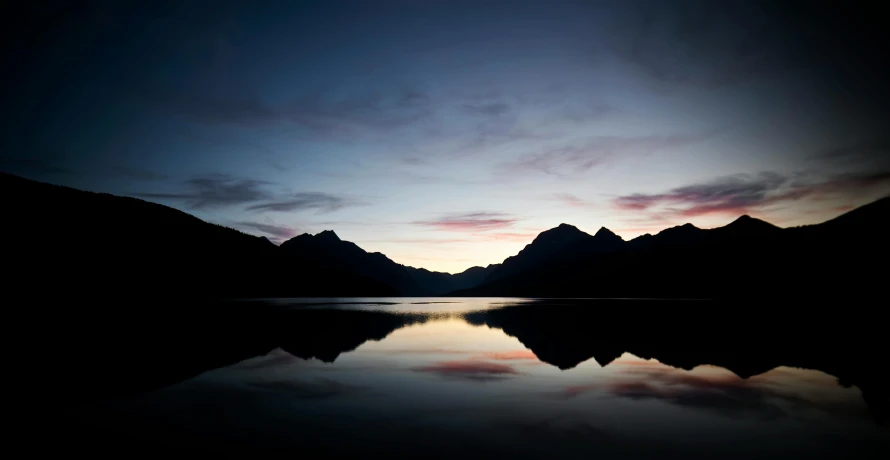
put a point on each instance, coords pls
(469, 222)
(472, 369)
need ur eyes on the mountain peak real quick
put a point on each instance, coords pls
(748, 225)
(746, 220)
(561, 233)
(605, 232)
(327, 235)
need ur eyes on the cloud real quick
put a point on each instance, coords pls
(732, 193)
(214, 191)
(743, 193)
(470, 222)
(726, 395)
(573, 159)
(703, 45)
(574, 391)
(365, 113)
(222, 190)
(869, 151)
(570, 200)
(470, 369)
(513, 355)
(277, 233)
(321, 202)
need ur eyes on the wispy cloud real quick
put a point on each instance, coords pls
(513, 355)
(470, 222)
(570, 200)
(319, 114)
(219, 190)
(726, 395)
(574, 391)
(572, 159)
(742, 193)
(320, 202)
(874, 151)
(222, 190)
(679, 48)
(470, 369)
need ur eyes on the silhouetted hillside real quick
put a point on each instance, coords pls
(328, 250)
(562, 243)
(60, 242)
(748, 258)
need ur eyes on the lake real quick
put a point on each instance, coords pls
(505, 377)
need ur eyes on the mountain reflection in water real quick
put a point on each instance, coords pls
(503, 378)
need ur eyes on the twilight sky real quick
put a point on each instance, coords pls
(449, 134)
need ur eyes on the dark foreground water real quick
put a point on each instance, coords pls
(493, 378)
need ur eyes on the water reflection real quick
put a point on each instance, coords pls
(524, 381)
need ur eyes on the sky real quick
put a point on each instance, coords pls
(448, 134)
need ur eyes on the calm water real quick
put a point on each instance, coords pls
(442, 377)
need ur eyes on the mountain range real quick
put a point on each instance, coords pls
(64, 241)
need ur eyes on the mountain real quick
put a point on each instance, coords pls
(134, 246)
(64, 243)
(561, 243)
(681, 234)
(748, 258)
(60, 242)
(326, 249)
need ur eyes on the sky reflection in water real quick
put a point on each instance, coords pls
(452, 388)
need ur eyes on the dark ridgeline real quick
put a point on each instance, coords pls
(72, 244)
(749, 258)
(562, 243)
(65, 242)
(92, 244)
(326, 249)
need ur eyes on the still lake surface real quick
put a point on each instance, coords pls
(463, 378)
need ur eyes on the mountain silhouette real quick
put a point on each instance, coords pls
(748, 258)
(64, 243)
(561, 243)
(98, 245)
(747, 226)
(326, 249)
